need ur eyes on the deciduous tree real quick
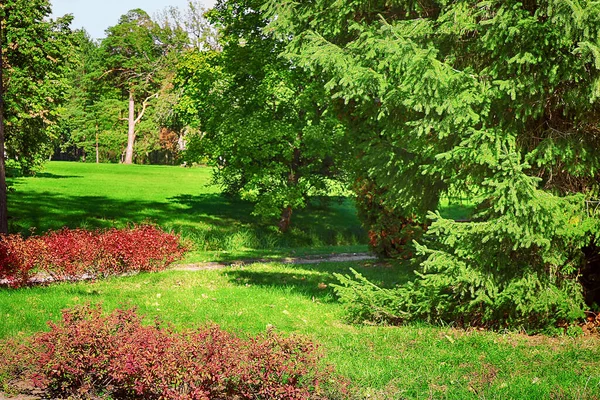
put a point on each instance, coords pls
(32, 53)
(201, 33)
(136, 53)
(264, 121)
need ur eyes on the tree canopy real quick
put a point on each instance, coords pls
(32, 68)
(263, 122)
(495, 100)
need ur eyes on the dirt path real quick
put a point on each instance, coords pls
(340, 257)
(41, 279)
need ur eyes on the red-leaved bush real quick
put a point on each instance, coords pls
(71, 253)
(88, 354)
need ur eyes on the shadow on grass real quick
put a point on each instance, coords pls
(46, 211)
(315, 281)
(273, 255)
(211, 221)
(48, 175)
(327, 219)
(215, 208)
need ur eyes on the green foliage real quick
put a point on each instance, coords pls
(34, 50)
(497, 100)
(137, 58)
(264, 122)
(517, 266)
(92, 114)
(131, 50)
(366, 301)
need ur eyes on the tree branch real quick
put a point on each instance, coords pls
(111, 71)
(144, 106)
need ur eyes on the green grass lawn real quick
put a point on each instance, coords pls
(415, 361)
(179, 199)
(183, 200)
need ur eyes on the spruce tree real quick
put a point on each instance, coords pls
(496, 100)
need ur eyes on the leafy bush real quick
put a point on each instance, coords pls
(88, 354)
(391, 232)
(71, 253)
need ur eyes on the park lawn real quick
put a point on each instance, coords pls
(178, 199)
(416, 361)
(183, 200)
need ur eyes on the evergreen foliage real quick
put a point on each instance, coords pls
(494, 99)
(90, 125)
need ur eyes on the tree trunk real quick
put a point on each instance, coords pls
(131, 130)
(3, 199)
(286, 219)
(293, 177)
(97, 151)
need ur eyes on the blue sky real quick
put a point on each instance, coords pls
(95, 16)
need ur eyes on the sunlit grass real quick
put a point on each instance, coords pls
(417, 361)
(178, 199)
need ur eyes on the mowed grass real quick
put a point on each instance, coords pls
(178, 199)
(415, 361)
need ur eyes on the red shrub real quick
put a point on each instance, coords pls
(144, 248)
(87, 354)
(71, 253)
(17, 259)
(66, 253)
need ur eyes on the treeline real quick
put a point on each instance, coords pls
(120, 105)
(407, 103)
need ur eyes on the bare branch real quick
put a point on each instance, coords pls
(144, 106)
(110, 71)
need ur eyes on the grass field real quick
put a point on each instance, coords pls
(178, 199)
(417, 361)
